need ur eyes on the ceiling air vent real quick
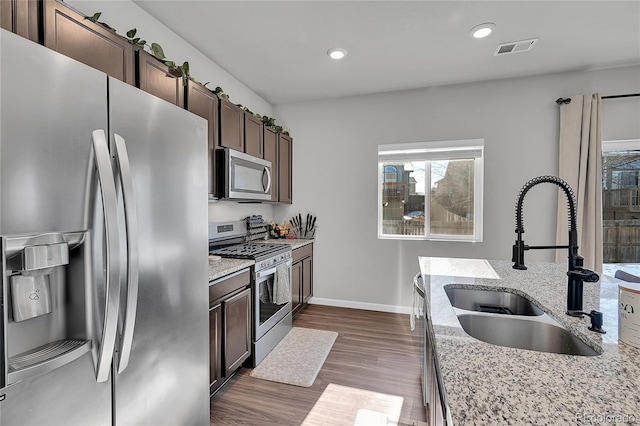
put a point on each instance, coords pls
(515, 47)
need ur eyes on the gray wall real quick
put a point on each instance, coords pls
(335, 171)
(335, 159)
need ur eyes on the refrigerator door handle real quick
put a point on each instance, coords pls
(131, 226)
(112, 292)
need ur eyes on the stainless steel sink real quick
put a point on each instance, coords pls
(524, 333)
(491, 301)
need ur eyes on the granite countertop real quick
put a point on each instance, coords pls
(225, 266)
(489, 384)
(294, 243)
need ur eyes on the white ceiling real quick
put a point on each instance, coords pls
(278, 48)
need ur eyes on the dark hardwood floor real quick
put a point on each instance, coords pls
(374, 351)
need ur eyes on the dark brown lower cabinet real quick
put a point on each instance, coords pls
(215, 346)
(229, 326)
(307, 279)
(236, 312)
(301, 277)
(296, 279)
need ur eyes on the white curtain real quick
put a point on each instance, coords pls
(580, 165)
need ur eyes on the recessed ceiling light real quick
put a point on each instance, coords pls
(482, 30)
(336, 53)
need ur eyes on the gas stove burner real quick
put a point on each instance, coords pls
(248, 250)
(227, 239)
(265, 255)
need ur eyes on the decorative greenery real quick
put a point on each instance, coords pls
(136, 41)
(269, 121)
(156, 50)
(183, 70)
(244, 108)
(179, 70)
(95, 18)
(218, 91)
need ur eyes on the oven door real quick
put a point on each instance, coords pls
(272, 299)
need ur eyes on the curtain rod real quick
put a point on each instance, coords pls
(630, 95)
(560, 101)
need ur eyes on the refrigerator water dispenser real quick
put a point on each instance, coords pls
(31, 296)
(46, 283)
(31, 290)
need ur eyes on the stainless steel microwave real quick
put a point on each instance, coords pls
(244, 177)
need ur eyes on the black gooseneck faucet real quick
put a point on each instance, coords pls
(576, 273)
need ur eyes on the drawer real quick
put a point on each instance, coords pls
(302, 252)
(228, 284)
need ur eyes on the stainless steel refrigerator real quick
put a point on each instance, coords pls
(104, 241)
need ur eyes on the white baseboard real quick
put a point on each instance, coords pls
(360, 305)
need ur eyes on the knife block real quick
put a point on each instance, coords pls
(309, 234)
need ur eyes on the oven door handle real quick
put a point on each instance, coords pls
(272, 271)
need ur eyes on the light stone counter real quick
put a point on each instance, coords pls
(294, 243)
(225, 266)
(489, 384)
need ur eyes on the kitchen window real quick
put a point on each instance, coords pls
(431, 190)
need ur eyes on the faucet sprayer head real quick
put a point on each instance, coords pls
(571, 200)
(519, 247)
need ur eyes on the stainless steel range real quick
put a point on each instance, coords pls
(271, 278)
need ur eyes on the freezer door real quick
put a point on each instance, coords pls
(166, 379)
(49, 106)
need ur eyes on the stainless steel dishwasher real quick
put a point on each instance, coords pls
(433, 393)
(418, 326)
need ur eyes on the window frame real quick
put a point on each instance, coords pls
(621, 145)
(429, 152)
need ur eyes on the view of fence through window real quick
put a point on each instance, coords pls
(450, 198)
(621, 206)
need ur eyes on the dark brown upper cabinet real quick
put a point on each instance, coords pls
(231, 126)
(154, 77)
(271, 154)
(21, 17)
(253, 135)
(69, 33)
(204, 103)
(6, 15)
(285, 168)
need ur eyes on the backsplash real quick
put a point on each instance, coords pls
(222, 211)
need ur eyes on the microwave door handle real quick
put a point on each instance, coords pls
(100, 152)
(268, 173)
(131, 227)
